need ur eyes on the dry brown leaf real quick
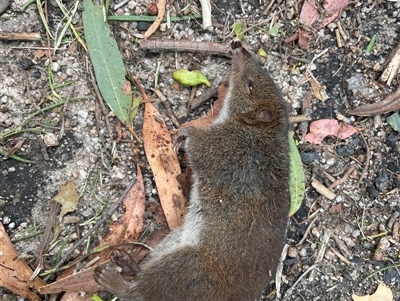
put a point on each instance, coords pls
(15, 273)
(82, 281)
(164, 164)
(67, 197)
(157, 22)
(383, 293)
(318, 91)
(310, 16)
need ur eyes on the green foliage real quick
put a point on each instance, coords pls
(297, 183)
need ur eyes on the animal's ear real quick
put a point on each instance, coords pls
(259, 116)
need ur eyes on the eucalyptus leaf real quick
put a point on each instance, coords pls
(296, 183)
(107, 62)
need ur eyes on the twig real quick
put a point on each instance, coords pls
(341, 257)
(322, 250)
(322, 189)
(265, 12)
(20, 36)
(344, 178)
(188, 46)
(99, 223)
(202, 99)
(392, 67)
(307, 231)
(278, 276)
(167, 107)
(206, 13)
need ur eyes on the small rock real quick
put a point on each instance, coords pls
(143, 26)
(11, 169)
(307, 158)
(381, 180)
(55, 67)
(25, 63)
(345, 151)
(391, 140)
(6, 220)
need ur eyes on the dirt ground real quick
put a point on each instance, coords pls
(333, 244)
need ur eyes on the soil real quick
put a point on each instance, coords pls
(357, 230)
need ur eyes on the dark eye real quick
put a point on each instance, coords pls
(250, 85)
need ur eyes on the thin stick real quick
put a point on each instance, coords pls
(344, 178)
(307, 231)
(20, 36)
(186, 46)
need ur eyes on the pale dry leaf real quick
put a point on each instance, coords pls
(67, 197)
(383, 293)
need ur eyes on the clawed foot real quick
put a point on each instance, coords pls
(123, 260)
(109, 278)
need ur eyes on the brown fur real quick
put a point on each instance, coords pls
(240, 168)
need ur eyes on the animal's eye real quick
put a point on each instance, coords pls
(250, 85)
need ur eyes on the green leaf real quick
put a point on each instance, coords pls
(274, 30)
(238, 29)
(262, 52)
(107, 62)
(190, 78)
(394, 121)
(296, 183)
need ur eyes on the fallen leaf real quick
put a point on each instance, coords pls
(164, 163)
(394, 121)
(319, 129)
(297, 182)
(190, 78)
(238, 29)
(67, 197)
(15, 273)
(318, 90)
(82, 281)
(383, 293)
(310, 16)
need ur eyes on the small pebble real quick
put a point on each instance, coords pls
(345, 151)
(381, 180)
(307, 158)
